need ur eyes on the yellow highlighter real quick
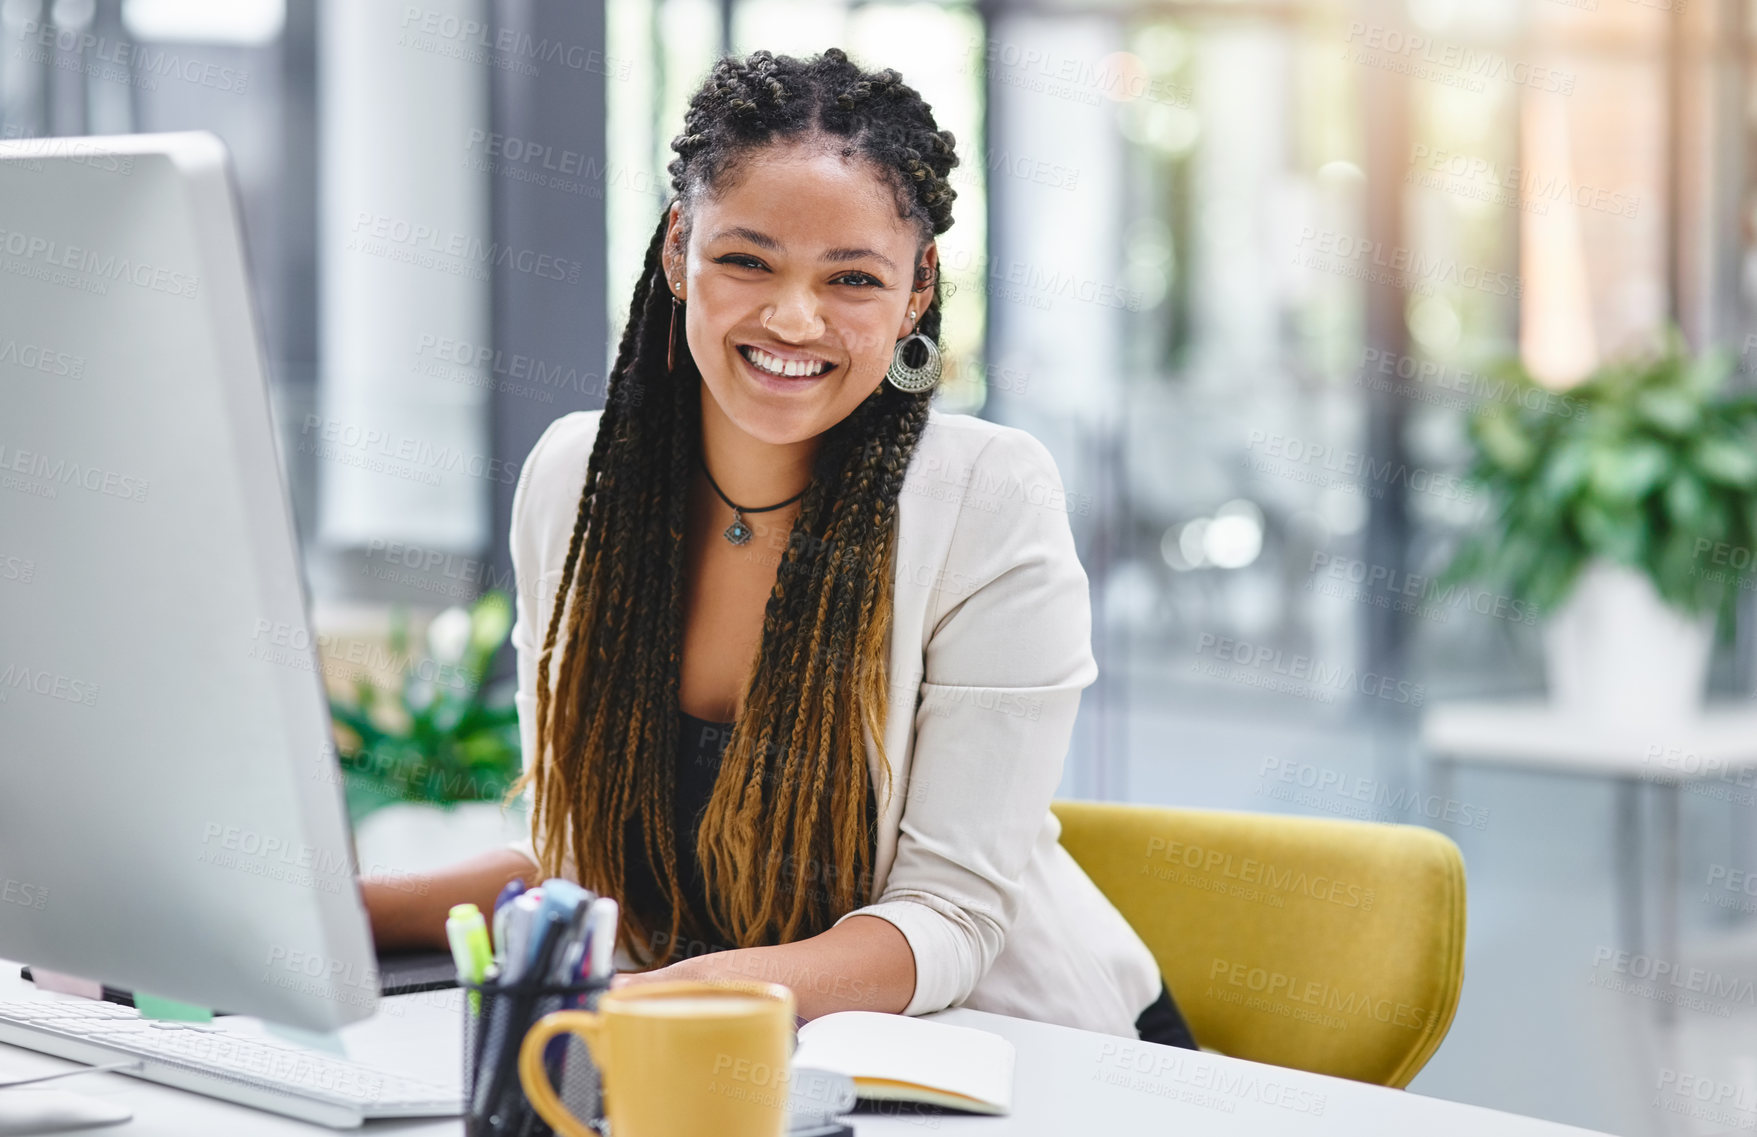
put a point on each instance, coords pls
(467, 933)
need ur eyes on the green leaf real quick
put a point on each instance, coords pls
(1617, 533)
(1502, 441)
(1707, 373)
(1564, 472)
(1672, 411)
(1724, 461)
(1686, 501)
(1676, 576)
(1625, 472)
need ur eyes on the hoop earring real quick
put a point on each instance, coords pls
(914, 380)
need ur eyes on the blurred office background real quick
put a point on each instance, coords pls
(1242, 266)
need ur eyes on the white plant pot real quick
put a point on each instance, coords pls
(1615, 651)
(407, 837)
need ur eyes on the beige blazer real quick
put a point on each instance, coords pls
(989, 651)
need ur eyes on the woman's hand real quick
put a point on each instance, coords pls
(683, 969)
(863, 963)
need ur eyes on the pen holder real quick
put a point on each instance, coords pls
(496, 1017)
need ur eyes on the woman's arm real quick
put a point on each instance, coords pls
(861, 964)
(408, 910)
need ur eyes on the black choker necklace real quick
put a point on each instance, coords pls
(738, 532)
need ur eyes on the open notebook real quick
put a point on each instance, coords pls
(897, 1058)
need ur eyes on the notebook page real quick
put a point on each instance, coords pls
(870, 1044)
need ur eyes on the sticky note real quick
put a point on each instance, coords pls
(67, 984)
(157, 1007)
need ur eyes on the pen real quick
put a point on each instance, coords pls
(562, 897)
(565, 971)
(503, 910)
(513, 887)
(601, 935)
(520, 916)
(547, 936)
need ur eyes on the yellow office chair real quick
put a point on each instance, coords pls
(1330, 946)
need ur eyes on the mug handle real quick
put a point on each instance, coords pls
(535, 1078)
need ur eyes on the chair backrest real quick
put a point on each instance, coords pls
(1330, 946)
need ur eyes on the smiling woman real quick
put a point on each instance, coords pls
(776, 373)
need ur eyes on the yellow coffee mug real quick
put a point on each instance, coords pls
(677, 1059)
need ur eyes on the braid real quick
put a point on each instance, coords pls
(786, 843)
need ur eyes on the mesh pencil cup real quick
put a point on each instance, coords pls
(496, 1017)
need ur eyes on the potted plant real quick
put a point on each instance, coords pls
(426, 766)
(1620, 508)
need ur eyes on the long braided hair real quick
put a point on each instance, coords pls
(786, 842)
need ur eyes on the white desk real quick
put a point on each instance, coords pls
(1713, 754)
(1067, 1081)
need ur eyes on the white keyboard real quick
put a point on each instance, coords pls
(260, 1072)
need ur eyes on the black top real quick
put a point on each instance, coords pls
(700, 745)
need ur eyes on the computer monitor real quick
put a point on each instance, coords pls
(171, 814)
